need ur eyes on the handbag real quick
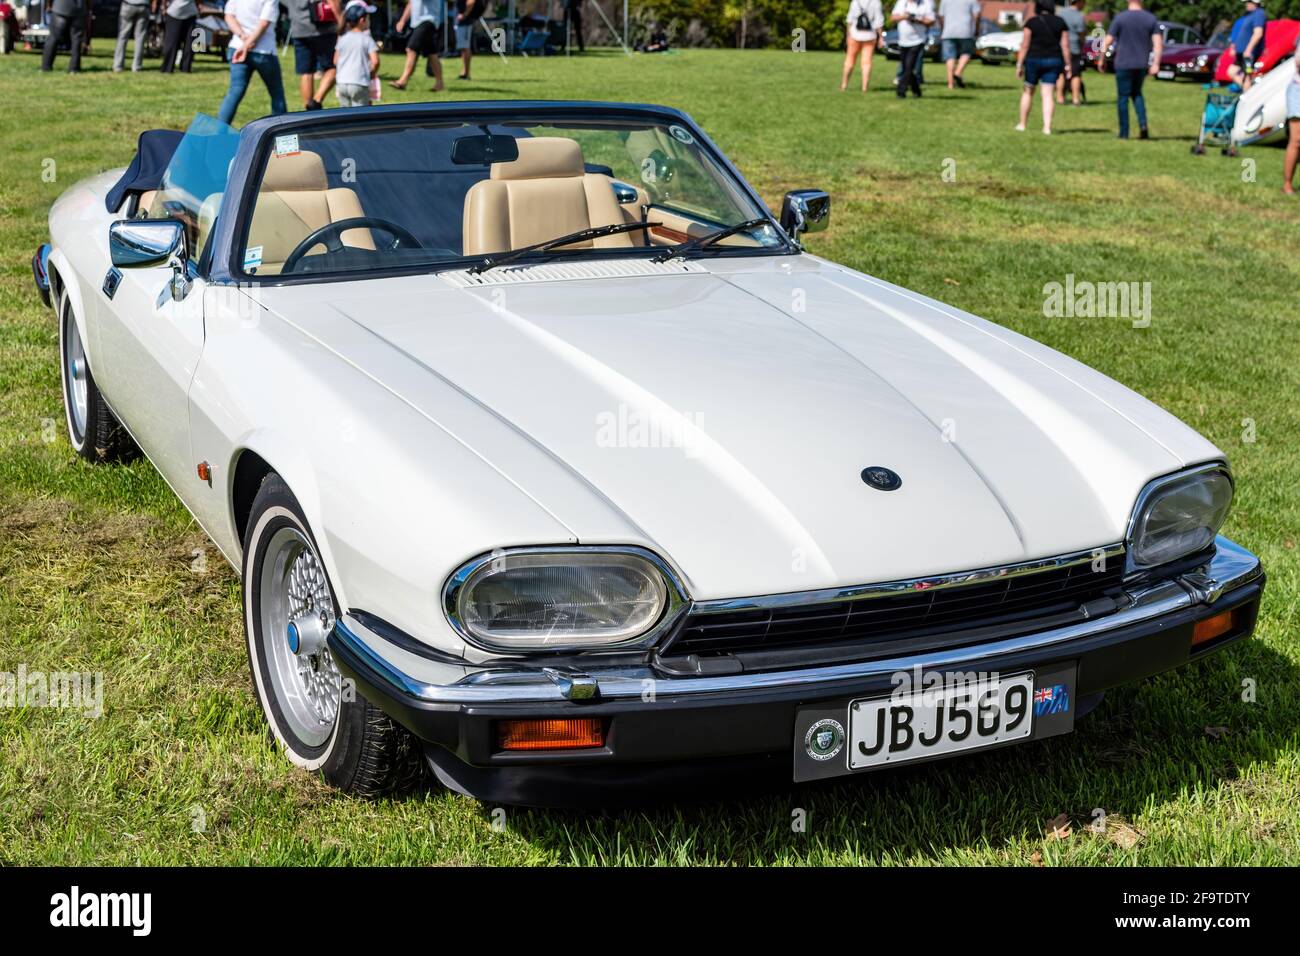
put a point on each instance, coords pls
(321, 13)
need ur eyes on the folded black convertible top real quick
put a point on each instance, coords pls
(152, 155)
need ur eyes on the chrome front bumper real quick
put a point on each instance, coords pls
(430, 680)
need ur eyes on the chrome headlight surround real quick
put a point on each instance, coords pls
(640, 630)
(1167, 507)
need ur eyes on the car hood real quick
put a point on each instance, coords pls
(728, 411)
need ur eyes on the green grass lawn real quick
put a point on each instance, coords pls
(101, 570)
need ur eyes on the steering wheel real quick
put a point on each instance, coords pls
(331, 236)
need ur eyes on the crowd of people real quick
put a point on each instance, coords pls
(325, 34)
(1050, 57)
(334, 49)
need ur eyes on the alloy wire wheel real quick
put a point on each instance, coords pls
(75, 372)
(295, 602)
(316, 717)
(93, 431)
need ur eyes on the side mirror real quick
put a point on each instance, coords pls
(624, 194)
(805, 210)
(139, 243)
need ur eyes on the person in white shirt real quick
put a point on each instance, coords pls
(356, 57)
(866, 23)
(1293, 124)
(252, 49)
(914, 19)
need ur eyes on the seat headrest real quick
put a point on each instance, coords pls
(294, 173)
(547, 157)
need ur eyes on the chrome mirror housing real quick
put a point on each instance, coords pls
(805, 210)
(624, 194)
(141, 243)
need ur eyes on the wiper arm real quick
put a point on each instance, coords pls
(703, 242)
(491, 262)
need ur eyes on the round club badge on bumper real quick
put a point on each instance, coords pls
(824, 739)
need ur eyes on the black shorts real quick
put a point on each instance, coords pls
(1076, 64)
(424, 38)
(314, 54)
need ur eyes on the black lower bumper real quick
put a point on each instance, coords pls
(681, 741)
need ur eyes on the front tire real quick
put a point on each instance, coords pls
(289, 609)
(93, 431)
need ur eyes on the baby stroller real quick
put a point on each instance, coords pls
(1217, 119)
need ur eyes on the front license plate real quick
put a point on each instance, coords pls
(942, 716)
(940, 721)
(1165, 74)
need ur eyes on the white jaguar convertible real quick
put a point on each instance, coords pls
(552, 464)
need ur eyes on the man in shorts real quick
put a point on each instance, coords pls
(1247, 43)
(313, 49)
(425, 17)
(958, 20)
(1293, 125)
(467, 15)
(1072, 14)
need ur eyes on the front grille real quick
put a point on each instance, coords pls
(1008, 603)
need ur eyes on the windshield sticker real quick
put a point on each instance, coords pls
(253, 257)
(681, 134)
(286, 145)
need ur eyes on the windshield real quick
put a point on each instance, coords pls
(195, 179)
(391, 194)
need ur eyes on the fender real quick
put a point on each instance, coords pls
(287, 459)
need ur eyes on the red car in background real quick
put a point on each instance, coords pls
(1280, 38)
(1192, 61)
(10, 30)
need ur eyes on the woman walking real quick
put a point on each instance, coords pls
(1044, 55)
(865, 22)
(178, 24)
(252, 50)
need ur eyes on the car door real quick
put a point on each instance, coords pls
(151, 340)
(151, 344)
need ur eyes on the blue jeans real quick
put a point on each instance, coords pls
(267, 66)
(1128, 85)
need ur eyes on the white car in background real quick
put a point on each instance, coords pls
(551, 461)
(999, 47)
(1260, 116)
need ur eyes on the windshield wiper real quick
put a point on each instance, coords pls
(703, 242)
(491, 262)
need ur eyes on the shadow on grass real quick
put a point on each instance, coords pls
(1146, 745)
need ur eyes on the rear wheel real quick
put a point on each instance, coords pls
(95, 434)
(289, 611)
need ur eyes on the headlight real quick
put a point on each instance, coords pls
(1178, 515)
(551, 599)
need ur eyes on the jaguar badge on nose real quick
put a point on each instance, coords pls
(881, 478)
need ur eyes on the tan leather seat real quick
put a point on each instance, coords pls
(544, 194)
(296, 199)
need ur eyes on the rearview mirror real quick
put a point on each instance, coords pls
(805, 210)
(484, 150)
(140, 243)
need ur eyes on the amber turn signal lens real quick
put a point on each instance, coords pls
(1211, 627)
(567, 734)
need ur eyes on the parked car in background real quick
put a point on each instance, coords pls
(10, 28)
(1192, 61)
(1260, 116)
(998, 46)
